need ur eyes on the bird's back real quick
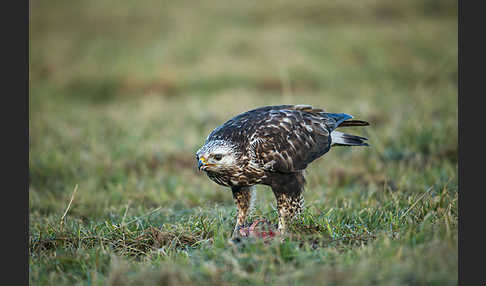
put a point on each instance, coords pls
(283, 138)
(247, 121)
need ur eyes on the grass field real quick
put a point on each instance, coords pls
(122, 94)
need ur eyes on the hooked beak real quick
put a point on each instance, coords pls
(201, 163)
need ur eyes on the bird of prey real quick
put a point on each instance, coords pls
(272, 145)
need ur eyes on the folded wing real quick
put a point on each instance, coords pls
(291, 137)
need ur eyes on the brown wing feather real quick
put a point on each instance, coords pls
(283, 138)
(291, 137)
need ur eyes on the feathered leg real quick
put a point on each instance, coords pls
(290, 200)
(242, 197)
(289, 206)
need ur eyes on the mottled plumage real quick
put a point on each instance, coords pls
(272, 145)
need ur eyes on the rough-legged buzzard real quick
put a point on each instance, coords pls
(272, 145)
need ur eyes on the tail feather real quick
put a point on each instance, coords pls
(339, 118)
(353, 123)
(343, 139)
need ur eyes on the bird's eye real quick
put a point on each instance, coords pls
(218, 157)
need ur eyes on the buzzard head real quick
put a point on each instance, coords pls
(217, 156)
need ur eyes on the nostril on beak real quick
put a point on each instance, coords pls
(201, 163)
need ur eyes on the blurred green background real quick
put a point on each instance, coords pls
(122, 93)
